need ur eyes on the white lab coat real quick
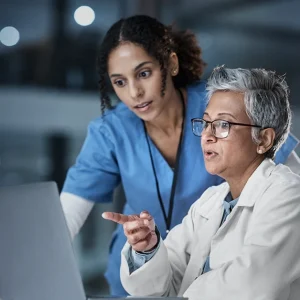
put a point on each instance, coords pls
(254, 255)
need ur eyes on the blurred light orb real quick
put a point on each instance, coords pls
(9, 36)
(84, 15)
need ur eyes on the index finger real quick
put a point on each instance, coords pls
(118, 218)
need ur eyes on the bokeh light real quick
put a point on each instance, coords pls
(84, 15)
(9, 36)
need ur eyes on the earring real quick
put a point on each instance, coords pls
(174, 72)
(260, 151)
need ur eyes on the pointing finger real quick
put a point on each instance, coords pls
(119, 218)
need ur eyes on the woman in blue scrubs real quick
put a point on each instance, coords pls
(145, 141)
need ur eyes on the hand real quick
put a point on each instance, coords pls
(139, 229)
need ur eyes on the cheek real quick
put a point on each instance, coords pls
(228, 150)
(122, 94)
(241, 149)
(153, 84)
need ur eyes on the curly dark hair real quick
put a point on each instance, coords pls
(159, 41)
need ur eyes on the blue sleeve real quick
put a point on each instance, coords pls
(95, 173)
(286, 149)
(137, 259)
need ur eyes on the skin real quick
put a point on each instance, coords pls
(136, 79)
(139, 229)
(234, 158)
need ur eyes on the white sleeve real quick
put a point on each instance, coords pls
(293, 162)
(162, 275)
(76, 210)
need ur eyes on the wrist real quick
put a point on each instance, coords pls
(148, 251)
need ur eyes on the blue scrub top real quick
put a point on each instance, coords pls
(116, 150)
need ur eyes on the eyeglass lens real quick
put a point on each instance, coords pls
(220, 128)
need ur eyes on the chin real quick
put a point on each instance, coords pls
(149, 117)
(212, 168)
(212, 172)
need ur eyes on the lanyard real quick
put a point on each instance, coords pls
(168, 218)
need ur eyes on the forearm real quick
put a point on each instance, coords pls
(136, 260)
(152, 278)
(76, 210)
(162, 274)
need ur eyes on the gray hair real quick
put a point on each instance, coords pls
(266, 98)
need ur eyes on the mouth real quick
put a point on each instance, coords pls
(208, 154)
(143, 106)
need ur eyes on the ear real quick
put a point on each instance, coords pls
(173, 64)
(266, 137)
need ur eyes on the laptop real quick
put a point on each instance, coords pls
(36, 255)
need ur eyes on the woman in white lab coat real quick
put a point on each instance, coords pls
(241, 239)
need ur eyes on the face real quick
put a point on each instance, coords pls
(231, 156)
(136, 79)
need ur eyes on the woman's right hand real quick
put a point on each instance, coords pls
(139, 229)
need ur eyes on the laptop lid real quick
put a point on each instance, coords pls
(36, 255)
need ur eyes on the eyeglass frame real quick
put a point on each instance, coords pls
(211, 127)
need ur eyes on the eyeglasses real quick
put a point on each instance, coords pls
(219, 128)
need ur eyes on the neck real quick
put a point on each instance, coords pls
(171, 117)
(238, 181)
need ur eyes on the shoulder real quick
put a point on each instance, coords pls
(196, 94)
(293, 162)
(270, 185)
(110, 116)
(198, 87)
(276, 193)
(282, 174)
(115, 121)
(280, 185)
(269, 174)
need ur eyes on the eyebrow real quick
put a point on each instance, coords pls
(222, 114)
(135, 69)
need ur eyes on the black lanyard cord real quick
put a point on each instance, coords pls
(168, 218)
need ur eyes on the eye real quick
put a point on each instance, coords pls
(119, 82)
(144, 74)
(224, 124)
(219, 124)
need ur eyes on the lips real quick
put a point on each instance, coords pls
(209, 154)
(143, 106)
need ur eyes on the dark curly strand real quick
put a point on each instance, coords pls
(159, 41)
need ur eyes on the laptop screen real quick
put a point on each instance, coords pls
(36, 254)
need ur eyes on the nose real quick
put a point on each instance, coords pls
(207, 135)
(135, 90)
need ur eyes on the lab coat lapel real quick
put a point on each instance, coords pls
(211, 215)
